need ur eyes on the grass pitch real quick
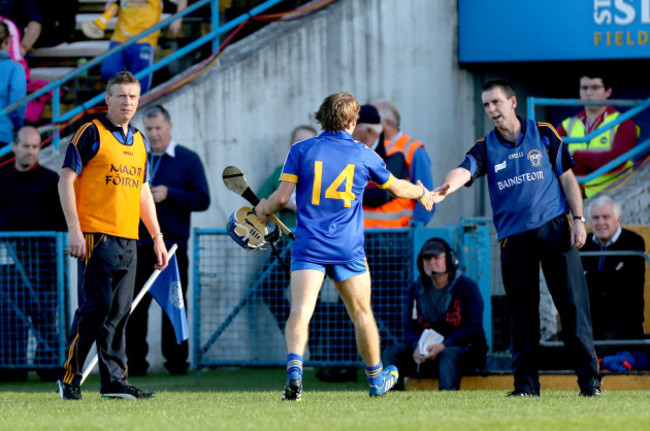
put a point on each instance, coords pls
(249, 399)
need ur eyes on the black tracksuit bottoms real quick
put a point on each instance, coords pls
(521, 255)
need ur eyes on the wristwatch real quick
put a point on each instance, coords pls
(581, 218)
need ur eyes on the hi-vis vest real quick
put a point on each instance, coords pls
(603, 142)
(406, 145)
(108, 189)
(396, 213)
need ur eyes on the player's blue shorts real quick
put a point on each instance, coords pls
(338, 272)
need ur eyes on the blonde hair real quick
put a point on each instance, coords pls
(337, 111)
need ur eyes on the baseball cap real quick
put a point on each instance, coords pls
(369, 115)
(433, 247)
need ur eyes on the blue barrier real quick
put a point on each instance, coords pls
(33, 300)
(241, 304)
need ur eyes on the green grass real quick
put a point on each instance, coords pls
(249, 399)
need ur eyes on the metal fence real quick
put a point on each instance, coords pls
(33, 305)
(241, 300)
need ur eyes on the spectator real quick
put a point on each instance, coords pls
(104, 193)
(12, 88)
(616, 283)
(133, 18)
(532, 189)
(417, 159)
(25, 14)
(29, 201)
(58, 21)
(605, 147)
(274, 286)
(179, 187)
(380, 208)
(448, 302)
(14, 47)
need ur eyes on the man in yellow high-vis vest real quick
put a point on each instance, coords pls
(605, 147)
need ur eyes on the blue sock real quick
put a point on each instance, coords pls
(375, 374)
(294, 364)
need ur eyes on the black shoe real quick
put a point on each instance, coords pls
(521, 394)
(590, 392)
(293, 388)
(68, 392)
(128, 392)
(337, 374)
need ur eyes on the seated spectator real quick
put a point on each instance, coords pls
(14, 46)
(605, 147)
(12, 88)
(448, 302)
(133, 18)
(58, 21)
(25, 14)
(616, 283)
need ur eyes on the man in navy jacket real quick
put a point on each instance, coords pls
(448, 302)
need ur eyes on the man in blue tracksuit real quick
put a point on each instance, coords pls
(532, 189)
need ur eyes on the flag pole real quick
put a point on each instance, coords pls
(134, 304)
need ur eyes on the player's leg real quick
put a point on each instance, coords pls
(305, 286)
(355, 292)
(353, 284)
(113, 63)
(140, 56)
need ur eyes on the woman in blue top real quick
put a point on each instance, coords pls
(13, 87)
(330, 173)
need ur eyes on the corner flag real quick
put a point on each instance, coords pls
(167, 292)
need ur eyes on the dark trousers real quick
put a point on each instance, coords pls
(448, 367)
(521, 255)
(176, 355)
(105, 293)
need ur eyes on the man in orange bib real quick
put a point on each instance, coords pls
(104, 193)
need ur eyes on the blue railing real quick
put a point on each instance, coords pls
(213, 37)
(640, 150)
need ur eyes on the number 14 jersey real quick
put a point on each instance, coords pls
(331, 172)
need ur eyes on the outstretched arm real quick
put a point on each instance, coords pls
(407, 190)
(455, 179)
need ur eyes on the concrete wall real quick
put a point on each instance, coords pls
(242, 112)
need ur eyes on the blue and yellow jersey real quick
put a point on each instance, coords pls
(112, 169)
(331, 172)
(135, 16)
(523, 176)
